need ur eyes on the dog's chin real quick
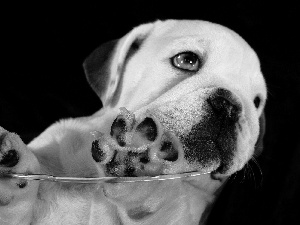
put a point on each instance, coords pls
(154, 194)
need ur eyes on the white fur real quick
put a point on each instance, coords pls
(149, 80)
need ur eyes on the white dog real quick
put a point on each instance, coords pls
(178, 96)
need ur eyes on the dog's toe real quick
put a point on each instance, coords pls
(14, 155)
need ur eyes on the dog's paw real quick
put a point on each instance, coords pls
(9, 156)
(15, 158)
(14, 155)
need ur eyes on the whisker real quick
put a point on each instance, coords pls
(252, 173)
(259, 174)
(244, 173)
(233, 176)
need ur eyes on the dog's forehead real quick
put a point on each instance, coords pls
(222, 45)
(202, 31)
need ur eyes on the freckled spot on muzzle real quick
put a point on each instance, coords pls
(201, 150)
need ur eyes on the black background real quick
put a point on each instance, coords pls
(42, 81)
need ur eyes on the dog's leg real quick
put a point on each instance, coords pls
(64, 149)
(17, 197)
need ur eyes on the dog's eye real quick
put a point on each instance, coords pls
(187, 61)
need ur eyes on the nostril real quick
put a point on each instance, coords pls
(223, 104)
(148, 129)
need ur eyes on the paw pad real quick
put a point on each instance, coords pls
(9, 158)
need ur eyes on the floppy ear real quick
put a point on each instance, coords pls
(262, 128)
(105, 67)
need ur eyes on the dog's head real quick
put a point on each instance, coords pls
(191, 95)
(197, 85)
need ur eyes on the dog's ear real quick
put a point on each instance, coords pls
(104, 68)
(97, 67)
(262, 128)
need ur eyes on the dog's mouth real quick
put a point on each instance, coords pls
(168, 141)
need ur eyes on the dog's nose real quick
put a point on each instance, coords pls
(224, 105)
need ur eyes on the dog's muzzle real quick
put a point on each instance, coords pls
(189, 134)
